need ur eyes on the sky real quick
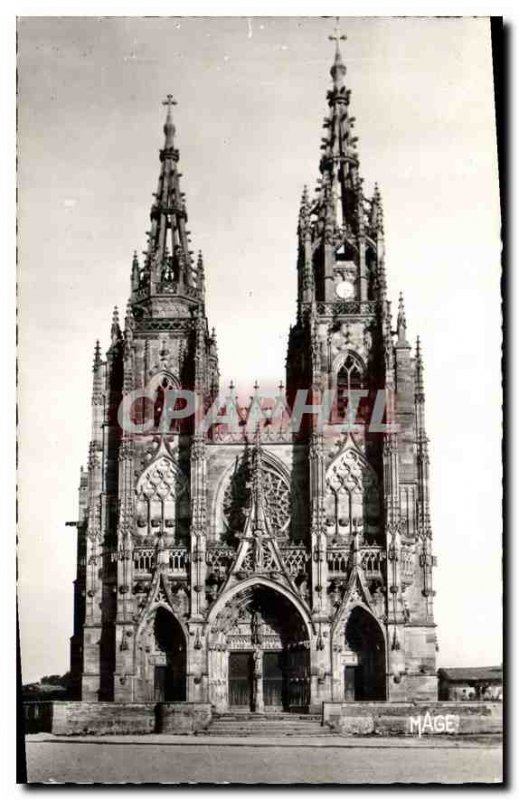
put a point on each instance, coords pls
(251, 96)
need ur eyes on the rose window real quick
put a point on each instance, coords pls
(276, 499)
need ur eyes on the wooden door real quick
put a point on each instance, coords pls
(160, 683)
(273, 679)
(349, 683)
(240, 679)
(297, 680)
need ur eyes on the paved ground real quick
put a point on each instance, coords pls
(174, 759)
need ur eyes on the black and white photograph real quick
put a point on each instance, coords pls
(259, 395)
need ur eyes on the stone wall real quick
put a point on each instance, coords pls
(67, 718)
(409, 719)
(183, 717)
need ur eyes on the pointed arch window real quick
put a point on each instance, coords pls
(350, 377)
(165, 385)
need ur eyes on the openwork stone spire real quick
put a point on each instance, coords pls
(169, 266)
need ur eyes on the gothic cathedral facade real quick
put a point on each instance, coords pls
(267, 566)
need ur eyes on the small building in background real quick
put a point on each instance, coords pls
(470, 683)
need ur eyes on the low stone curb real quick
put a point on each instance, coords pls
(325, 740)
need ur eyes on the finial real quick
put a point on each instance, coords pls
(337, 36)
(169, 101)
(338, 70)
(169, 128)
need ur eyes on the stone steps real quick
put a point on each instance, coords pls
(245, 725)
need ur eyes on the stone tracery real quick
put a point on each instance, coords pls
(161, 498)
(277, 498)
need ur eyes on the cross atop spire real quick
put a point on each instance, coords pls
(337, 36)
(169, 128)
(169, 101)
(338, 69)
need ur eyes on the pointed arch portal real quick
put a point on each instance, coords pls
(365, 669)
(266, 643)
(170, 667)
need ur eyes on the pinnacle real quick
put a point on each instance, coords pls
(97, 355)
(303, 211)
(419, 367)
(116, 329)
(401, 321)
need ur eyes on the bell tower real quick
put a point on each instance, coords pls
(145, 491)
(366, 457)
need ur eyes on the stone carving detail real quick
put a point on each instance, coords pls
(258, 559)
(352, 494)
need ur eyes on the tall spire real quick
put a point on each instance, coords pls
(168, 265)
(340, 205)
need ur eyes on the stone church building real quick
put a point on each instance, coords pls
(262, 566)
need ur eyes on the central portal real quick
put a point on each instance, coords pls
(272, 681)
(268, 664)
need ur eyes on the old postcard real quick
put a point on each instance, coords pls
(259, 265)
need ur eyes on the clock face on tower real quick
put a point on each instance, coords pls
(345, 289)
